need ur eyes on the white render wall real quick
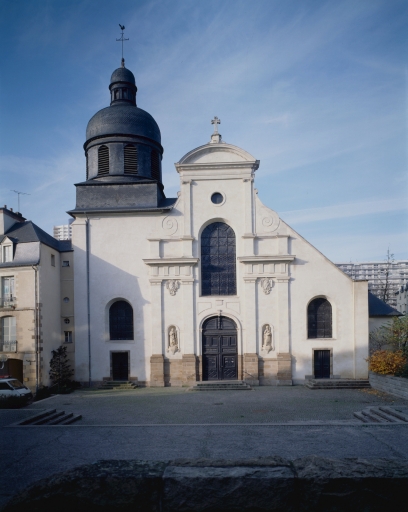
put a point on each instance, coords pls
(133, 256)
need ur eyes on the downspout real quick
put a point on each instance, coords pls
(36, 334)
(88, 301)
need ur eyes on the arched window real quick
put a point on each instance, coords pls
(8, 334)
(121, 321)
(218, 266)
(103, 161)
(319, 319)
(130, 157)
(155, 161)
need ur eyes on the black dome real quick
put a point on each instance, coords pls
(123, 119)
(123, 75)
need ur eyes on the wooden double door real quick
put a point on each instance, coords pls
(220, 349)
(321, 364)
(120, 365)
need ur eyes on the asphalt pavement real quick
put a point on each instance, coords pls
(171, 423)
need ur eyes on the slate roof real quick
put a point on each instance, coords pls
(24, 232)
(377, 307)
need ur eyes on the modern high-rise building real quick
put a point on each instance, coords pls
(63, 232)
(375, 272)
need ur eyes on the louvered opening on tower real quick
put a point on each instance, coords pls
(103, 161)
(155, 160)
(130, 159)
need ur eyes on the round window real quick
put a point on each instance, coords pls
(217, 198)
(66, 299)
(67, 320)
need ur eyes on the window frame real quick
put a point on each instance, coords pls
(113, 330)
(232, 261)
(330, 330)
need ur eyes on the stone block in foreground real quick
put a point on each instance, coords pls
(264, 484)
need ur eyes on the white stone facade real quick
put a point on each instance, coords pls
(152, 261)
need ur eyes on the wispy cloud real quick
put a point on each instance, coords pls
(339, 211)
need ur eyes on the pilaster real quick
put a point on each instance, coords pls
(251, 369)
(189, 315)
(156, 315)
(250, 315)
(157, 370)
(283, 316)
(284, 369)
(190, 373)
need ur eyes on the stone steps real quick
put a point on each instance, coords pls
(337, 383)
(221, 385)
(118, 385)
(51, 417)
(380, 414)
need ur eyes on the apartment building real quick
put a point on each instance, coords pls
(375, 272)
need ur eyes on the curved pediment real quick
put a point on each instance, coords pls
(216, 153)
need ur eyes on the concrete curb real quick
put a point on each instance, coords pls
(264, 484)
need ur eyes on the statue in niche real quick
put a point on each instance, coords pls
(267, 339)
(173, 341)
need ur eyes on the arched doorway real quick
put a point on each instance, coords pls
(220, 349)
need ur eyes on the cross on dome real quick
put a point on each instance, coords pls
(215, 137)
(216, 122)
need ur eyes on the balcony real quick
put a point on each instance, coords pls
(8, 346)
(8, 302)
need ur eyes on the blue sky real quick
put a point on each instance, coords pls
(316, 90)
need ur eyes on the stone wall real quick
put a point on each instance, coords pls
(394, 385)
(273, 484)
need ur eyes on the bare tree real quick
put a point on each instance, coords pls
(384, 291)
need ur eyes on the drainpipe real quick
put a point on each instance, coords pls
(36, 325)
(88, 294)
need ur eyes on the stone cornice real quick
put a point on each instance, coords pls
(153, 262)
(266, 259)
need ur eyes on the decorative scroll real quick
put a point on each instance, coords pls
(173, 285)
(169, 225)
(267, 342)
(266, 283)
(173, 340)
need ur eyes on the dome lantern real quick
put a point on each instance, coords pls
(123, 86)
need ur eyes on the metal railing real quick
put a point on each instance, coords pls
(7, 301)
(8, 346)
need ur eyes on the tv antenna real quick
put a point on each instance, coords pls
(18, 193)
(122, 38)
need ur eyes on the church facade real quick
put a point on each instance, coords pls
(211, 285)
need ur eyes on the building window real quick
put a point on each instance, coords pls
(217, 198)
(7, 289)
(7, 253)
(53, 260)
(66, 299)
(130, 158)
(319, 319)
(155, 165)
(68, 336)
(218, 265)
(121, 321)
(8, 334)
(65, 263)
(103, 161)
(67, 321)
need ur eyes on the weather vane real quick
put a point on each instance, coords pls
(122, 38)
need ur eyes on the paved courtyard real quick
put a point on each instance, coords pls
(147, 406)
(171, 423)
